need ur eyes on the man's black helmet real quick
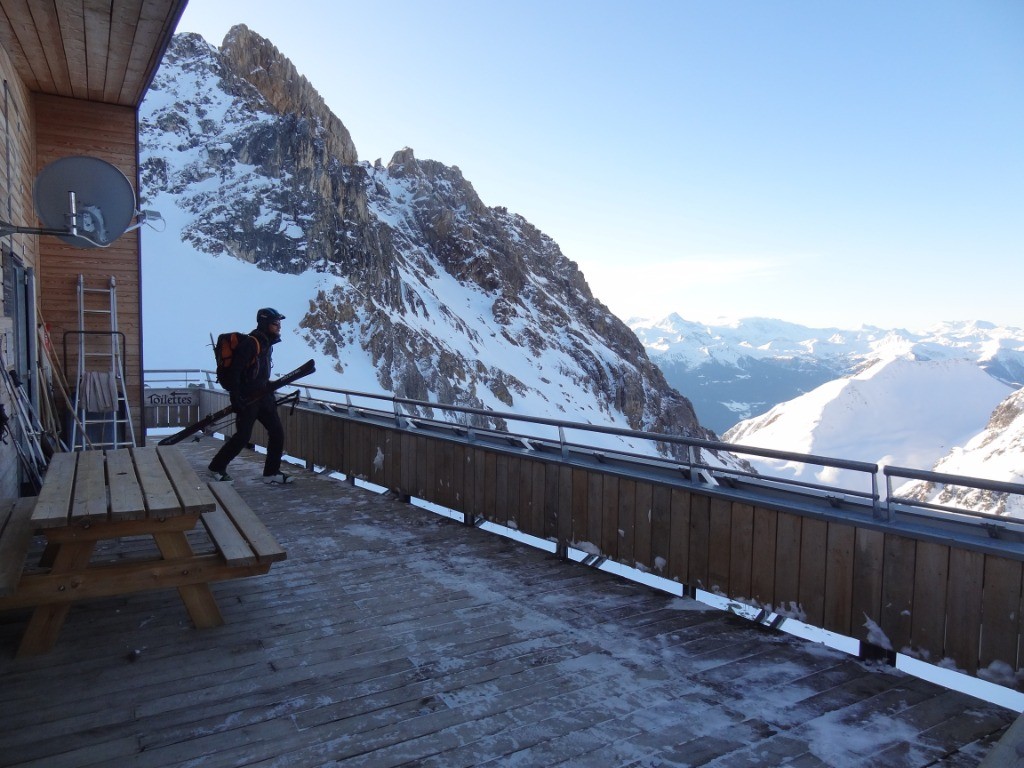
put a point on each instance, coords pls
(266, 316)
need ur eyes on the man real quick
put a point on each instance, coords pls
(248, 375)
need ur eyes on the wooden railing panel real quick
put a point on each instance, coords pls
(679, 550)
(593, 508)
(719, 545)
(627, 522)
(1000, 606)
(963, 622)
(566, 480)
(431, 480)
(445, 465)
(424, 451)
(642, 526)
(351, 449)
(811, 594)
(552, 502)
(579, 499)
(335, 446)
(294, 436)
(291, 424)
(432, 465)
(787, 563)
(898, 589)
(661, 529)
(762, 559)
(459, 483)
(609, 514)
(524, 495)
(406, 476)
(375, 457)
(310, 440)
(458, 477)
(741, 544)
(394, 460)
(700, 541)
(866, 600)
(364, 447)
(538, 497)
(512, 470)
(479, 481)
(372, 459)
(839, 578)
(326, 442)
(928, 625)
(490, 486)
(346, 449)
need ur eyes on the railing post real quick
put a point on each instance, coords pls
(876, 506)
(889, 513)
(562, 550)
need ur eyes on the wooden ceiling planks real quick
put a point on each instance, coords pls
(153, 20)
(97, 39)
(72, 40)
(19, 38)
(97, 50)
(124, 20)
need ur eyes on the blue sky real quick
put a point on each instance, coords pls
(825, 163)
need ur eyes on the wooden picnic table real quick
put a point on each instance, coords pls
(89, 497)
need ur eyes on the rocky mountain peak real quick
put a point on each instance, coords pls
(418, 283)
(257, 61)
(403, 162)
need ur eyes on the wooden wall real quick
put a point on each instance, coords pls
(66, 127)
(17, 173)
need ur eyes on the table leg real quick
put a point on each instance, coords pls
(44, 626)
(199, 601)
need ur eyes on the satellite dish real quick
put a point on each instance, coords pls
(84, 201)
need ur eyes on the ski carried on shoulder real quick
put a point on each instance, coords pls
(305, 369)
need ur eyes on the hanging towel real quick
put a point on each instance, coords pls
(99, 391)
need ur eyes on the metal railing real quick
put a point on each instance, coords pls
(895, 573)
(633, 452)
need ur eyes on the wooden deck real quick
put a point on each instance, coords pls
(393, 636)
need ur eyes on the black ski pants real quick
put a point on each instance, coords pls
(265, 412)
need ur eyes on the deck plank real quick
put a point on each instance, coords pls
(392, 635)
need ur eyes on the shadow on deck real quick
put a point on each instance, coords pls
(391, 635)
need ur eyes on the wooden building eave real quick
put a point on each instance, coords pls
(104, 51)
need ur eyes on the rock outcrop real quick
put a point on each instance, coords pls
(451, 299)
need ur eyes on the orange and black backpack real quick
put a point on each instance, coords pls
(224, 352)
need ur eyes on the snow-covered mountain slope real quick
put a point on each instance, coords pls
(898, 411)
(995, 453)
(739, 370)
(397, 279)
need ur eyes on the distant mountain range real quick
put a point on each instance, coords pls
(949, 399)
(741, 370)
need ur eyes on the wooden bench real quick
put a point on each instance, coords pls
(240, 536)
(15, 536)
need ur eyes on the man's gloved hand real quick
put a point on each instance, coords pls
(237, 402)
